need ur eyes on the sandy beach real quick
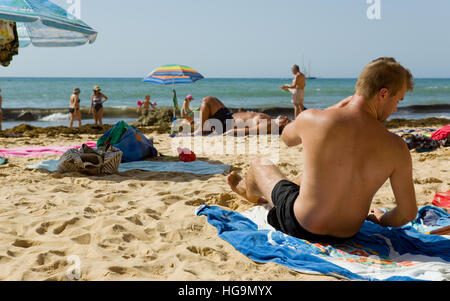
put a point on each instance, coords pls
(140, 225)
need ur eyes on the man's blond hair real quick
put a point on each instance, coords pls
(384, 72)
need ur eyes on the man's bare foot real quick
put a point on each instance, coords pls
(238, 185)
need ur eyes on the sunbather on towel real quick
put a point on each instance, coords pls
(342, 168)
(214, 115)
(251, 123)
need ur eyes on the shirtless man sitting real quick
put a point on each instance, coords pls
(214, 115)
(343, 169)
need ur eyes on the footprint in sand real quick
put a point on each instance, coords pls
(20, 243)
(207, 252)
(135, 219)
(44, 257)
(153, 213)
(128, 237)
(118, 228)
(118, 270)
(89, 212)
(43, 228)
(61, 228)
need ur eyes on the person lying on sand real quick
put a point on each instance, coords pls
(214, 115)
(251, 123)
(343, 169)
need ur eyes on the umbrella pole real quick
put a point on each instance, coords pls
(174, 95)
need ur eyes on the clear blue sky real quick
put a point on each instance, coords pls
(248, 38)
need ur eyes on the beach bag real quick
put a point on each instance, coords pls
(9, 42)
(133, 144)
(88, 161)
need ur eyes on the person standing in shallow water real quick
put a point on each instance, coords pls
(297, 88)
(97, 101)
(74, 109)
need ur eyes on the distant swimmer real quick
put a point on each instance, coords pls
(297, 89)
(74, 108)
(146, 105)
(97, 101)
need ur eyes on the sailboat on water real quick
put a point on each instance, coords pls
(307, 72)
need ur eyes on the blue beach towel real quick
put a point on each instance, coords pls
(197, 167)
(375, 253)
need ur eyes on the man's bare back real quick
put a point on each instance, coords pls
(341, 176)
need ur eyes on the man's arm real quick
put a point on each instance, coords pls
(291, 133)
(403, 188)
(296, 82)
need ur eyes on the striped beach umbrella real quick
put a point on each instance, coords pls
(45, 24)
(171, 75)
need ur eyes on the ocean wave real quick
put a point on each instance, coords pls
(55, 117)
(51, 115)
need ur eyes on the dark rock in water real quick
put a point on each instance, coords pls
(26, 116)
(161, 119)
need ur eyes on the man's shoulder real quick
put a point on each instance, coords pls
(312, 117)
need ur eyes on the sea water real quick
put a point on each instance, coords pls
(123, 93)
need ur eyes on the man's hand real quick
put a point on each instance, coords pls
(285, 88)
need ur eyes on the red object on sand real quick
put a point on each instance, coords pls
(186, 155)
(441, 133)
(442, 199)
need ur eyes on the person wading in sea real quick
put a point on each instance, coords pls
(297, 88)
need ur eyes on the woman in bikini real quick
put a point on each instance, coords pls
(74, 108)
(97, 101)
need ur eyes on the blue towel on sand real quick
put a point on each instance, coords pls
(375, 253)
(197, 167)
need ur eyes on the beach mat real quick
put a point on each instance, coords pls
(375, 253)
(38, 151)
(197, 167)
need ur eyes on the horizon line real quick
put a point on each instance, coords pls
(132, 77)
